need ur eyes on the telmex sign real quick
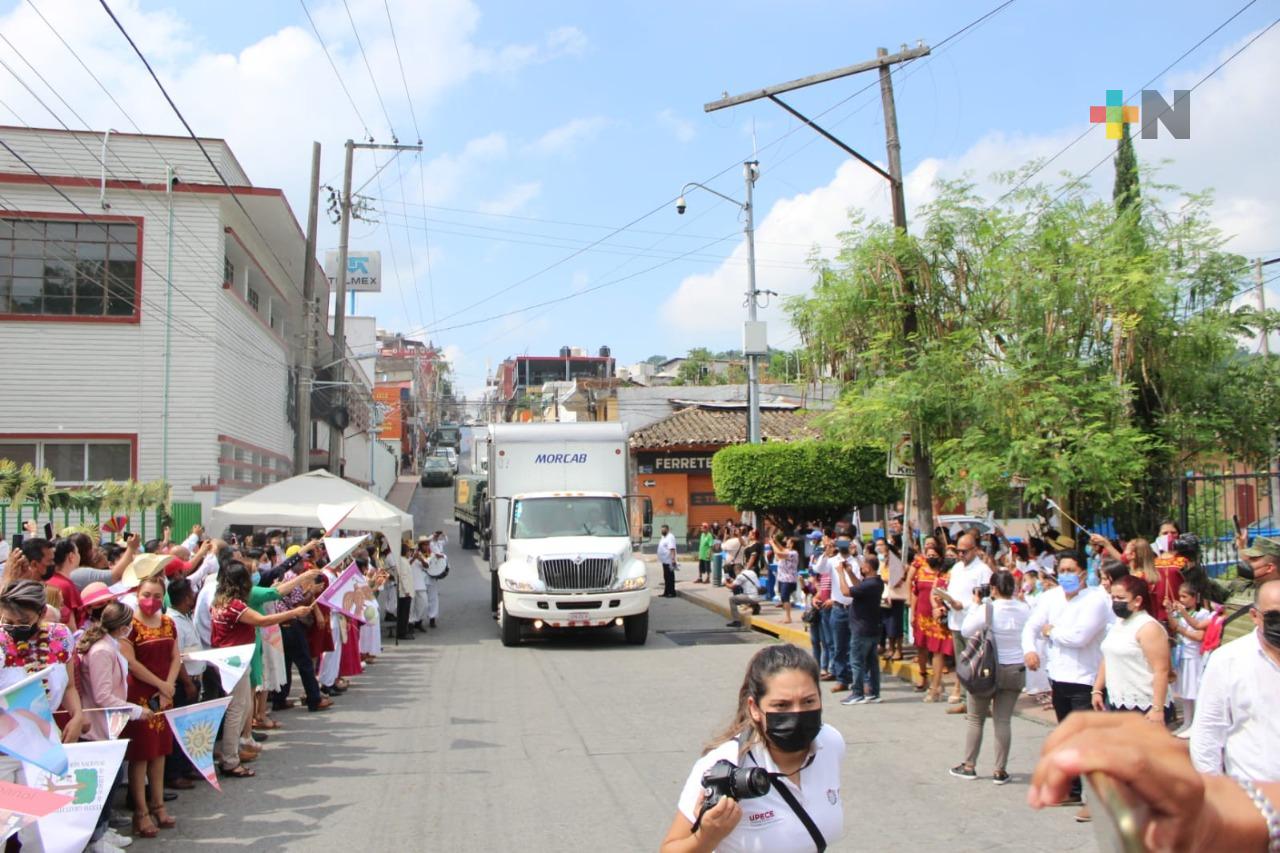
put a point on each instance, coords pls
(364, 270)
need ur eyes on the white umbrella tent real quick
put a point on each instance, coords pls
(294, 503)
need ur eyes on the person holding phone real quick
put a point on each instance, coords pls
(151, 651)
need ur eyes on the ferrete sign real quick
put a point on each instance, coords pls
(364, 271)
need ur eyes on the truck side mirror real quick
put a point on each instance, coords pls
(648, 516)
(648, 531)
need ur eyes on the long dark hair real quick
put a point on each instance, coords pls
(233, 582)
(764, 665)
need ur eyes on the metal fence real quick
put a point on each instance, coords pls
(12, 518)
(1207, 505)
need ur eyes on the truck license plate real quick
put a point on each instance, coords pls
(579, 616)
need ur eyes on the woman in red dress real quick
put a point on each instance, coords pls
(151, 651)
(933, 640)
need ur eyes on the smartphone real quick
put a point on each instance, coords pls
(1120, 819)
(154, 703)
(1235, 519)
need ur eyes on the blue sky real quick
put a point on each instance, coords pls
(546, 123)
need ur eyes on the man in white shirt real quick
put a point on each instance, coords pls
(967, 575)
(1237, 724)
(667, 557)
(1073, 618)
(746, 593)
(193, 540)
(843, 564)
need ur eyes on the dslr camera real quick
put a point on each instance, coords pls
(726, 779)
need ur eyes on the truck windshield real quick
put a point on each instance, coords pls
(536, 518)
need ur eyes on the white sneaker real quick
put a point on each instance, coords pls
(113, 837)
(101, 846)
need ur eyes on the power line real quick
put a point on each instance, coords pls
(199, 144)
(369, 68)
(1157, 76)
(395, 42)
(413, 262)
(336, 72)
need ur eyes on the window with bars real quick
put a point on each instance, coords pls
(252, 297)
(71, 268)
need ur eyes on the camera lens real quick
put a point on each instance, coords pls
(748, 782)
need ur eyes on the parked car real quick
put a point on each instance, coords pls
(450, 455)
(436, 471)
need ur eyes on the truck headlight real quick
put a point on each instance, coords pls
(518, 586)
(633, 583)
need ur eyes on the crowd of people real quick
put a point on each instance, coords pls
(116, 623)
(1133, 626)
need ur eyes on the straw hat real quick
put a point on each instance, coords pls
(144, 566)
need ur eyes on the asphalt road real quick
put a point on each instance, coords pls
(454, 743)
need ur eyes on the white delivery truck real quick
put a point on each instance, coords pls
(562, 554)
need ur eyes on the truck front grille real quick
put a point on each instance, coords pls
(577, 574)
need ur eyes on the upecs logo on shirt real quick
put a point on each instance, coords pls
(833, 795)
(762, 818)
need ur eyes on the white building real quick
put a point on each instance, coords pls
(84, 295)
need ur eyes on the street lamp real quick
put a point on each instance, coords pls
(754, 341)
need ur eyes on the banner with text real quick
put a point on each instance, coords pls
(92, 767)
(27, 731)
(21, 806)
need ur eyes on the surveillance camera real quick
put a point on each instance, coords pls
(680, 205)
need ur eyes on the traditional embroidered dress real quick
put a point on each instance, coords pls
(154, 649)
(930, 634)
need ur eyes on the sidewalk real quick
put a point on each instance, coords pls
(401, 494)
(716, 599)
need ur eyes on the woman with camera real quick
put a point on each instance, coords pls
(771, 780)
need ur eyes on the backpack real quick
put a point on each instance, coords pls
(976, 666)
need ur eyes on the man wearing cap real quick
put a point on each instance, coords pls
(1261, 561)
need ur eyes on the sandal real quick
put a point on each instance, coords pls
(162, 818)
(237, 772)
(266, 723)
(143, 826)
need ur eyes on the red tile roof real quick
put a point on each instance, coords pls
(719, 427)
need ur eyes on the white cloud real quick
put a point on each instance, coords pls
(568, 136)
(681, 128)
(1232, 134)
(513, 199)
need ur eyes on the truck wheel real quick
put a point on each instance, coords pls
(636, 628)
(510, 627)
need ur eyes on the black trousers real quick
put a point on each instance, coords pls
(297, 653)
(403, 607)
(1069, 697)
(669, 580)
(704, 568)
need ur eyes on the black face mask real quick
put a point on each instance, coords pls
(949, 563)
(1271, 628)
(934, 562)
(21, 633)
(1121, 609)
(792, 731)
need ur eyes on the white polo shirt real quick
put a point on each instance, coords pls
(768, 824)
(1237, 722)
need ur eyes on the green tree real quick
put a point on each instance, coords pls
(1036, 321)
(792, 482)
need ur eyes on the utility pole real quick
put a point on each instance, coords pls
(1262, 303)
(751, 171)
(302, 438)
(169, 181)
(339, 308)
(883, 63)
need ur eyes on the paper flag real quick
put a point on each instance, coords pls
(339, 548)
(347, 594)
(116, 718)
(195, 728)
(27, 731)
(21, 806)
(116, 524)
(332, 515)
(232, 662)
(91, 770)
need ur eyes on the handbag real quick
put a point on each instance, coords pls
(810, 614)
(976, 667)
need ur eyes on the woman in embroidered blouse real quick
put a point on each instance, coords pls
(32, 642)
(151, 651)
